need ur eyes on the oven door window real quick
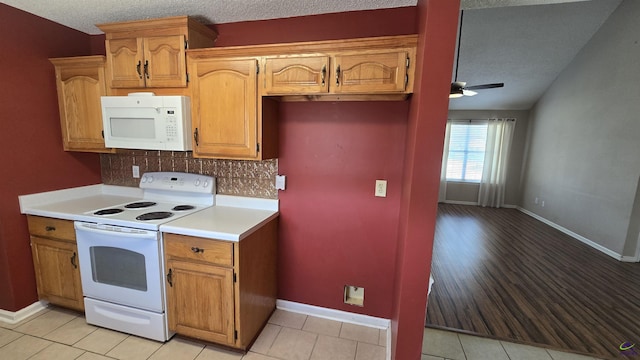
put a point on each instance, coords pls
(118, 267)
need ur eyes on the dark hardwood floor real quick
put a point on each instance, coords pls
(502, 274)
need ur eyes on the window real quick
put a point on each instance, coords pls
(466, 151)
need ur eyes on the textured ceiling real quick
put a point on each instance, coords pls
(525, 47)
(523, 43)
(84, 14)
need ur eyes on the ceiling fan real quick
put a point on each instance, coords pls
(460, 88)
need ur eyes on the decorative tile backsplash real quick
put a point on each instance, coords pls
(233, 177)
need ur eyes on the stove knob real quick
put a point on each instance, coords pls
(150, 179)
(205, 184)
(197, 182)
(144, 179)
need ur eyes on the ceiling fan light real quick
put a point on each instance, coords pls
(456, 93)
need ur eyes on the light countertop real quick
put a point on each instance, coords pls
(232, 218)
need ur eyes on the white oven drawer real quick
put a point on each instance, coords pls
(138, 322)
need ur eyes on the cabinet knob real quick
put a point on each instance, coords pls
(50, 228)
(138, 69)
(197, 250)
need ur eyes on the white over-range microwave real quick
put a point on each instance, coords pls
(147, 122)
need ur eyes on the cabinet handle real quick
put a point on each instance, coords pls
(197, 250)
(195, 136)
(324, 73)
(146, 69)
(73, 260)
(138, 69)
(50, 228)
(338, 75)
(170, 277)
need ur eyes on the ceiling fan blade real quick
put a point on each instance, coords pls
(485, 86)
(466, 92)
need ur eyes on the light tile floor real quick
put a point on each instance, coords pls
(58, 334)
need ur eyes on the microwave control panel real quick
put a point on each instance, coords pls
(172, 125)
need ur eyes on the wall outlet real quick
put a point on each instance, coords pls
(542, 203)
(135, 170)
(536, 200)
(381, 188)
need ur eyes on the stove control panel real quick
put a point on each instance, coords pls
(178, 181)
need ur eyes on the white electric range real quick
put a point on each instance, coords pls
(120, 253)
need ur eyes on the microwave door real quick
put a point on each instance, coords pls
(133, 128)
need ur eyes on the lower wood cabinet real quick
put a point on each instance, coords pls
(55, 260)
(221, 291)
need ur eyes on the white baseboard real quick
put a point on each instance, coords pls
(11, 317)
(332, 314)
(578, 237)
(339, 315)
(456, 202)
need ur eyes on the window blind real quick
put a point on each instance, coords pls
(466, 151)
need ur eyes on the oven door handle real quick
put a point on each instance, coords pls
(130, 233)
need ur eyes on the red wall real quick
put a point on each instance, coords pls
(437, 22)
(354, 24)
(30, 139)
(333, 231)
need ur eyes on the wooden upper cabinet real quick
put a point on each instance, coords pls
(80, 82)
(370, 73)
(296, 75)
(151, 53)
(224, 103)
(379, 68)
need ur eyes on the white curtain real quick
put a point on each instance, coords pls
(442, 195)
(496, 158)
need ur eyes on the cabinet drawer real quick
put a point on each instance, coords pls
(200, 249)
(51, 228)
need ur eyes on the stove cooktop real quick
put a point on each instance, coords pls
(167, 196)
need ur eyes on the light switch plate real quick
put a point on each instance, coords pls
(280, 182)
(135, 170)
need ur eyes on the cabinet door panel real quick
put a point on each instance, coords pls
(80, 83)
(296, 75)
(57, 273)
(165, 59)
(200, 301)
(224, 108)
(370, 73)
(125, 63)
(82, 103)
